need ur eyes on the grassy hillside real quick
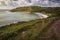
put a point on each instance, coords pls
(27, 9)
(26, 30)
(37, 9)
(12, 29)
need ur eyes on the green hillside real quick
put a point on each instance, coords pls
(27, 9)
(37, 9)
(26, 30)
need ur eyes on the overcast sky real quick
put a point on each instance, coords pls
(51, 3)
(44, 3)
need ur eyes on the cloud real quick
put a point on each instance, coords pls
(43, 3)
(50, 4)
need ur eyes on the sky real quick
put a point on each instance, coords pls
(44, 3)
(20, 3)
(51, 3)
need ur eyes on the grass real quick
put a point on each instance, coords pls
(13, 28)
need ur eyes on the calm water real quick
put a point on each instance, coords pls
(7, 18)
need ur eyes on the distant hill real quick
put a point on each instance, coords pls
(28, 9)
(37, 9)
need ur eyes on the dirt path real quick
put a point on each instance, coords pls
(54, 31)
